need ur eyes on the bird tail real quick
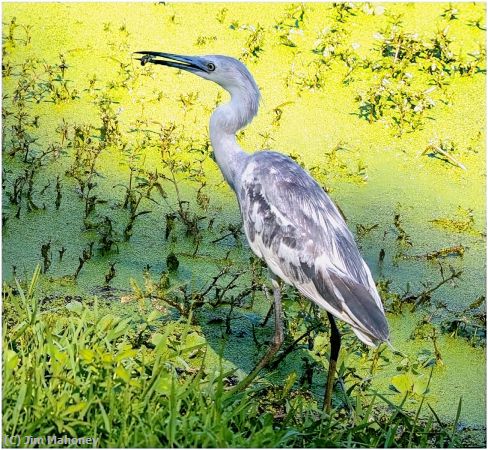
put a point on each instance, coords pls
(368, 320)
(364, 338)
(371, 342)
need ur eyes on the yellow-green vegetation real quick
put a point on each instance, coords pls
(84, 373)
(149, 304)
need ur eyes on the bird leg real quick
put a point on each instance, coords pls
(335, 346)
(270, 310)
(275, 345)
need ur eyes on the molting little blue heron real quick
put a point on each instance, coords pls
(289, 221)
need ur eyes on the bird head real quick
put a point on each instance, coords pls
(228, 72)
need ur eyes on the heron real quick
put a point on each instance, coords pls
(289, 220)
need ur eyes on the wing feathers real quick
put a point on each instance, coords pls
(361, 306)
(293, 225)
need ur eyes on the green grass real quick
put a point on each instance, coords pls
(76, 372)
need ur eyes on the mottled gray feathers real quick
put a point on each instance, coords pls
(294, 226)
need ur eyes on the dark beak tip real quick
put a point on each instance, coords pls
(168, 59)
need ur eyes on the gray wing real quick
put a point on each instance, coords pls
(293, 225)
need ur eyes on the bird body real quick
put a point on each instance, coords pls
(292, 224)
(289, 221)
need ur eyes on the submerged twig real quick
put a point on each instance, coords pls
(438, 149)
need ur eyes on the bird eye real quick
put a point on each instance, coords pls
(211, 67)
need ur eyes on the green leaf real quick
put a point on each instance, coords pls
(11, 359)
(125, 353)
(105, 417)
(62, 357)
(74, 408)
(403, 383)
(163, 385)
(290, 381)
(19, 330)
(75, 307)
(34, 281)
(122, 373)
(419, 387)
(87, 355)
(18, 405)
(154, 315)
(156, 338)
(106, 322)
(120, 329)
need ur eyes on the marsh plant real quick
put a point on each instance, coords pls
(402, 106)
(290, 24)
(469, 324)
(410, 69)
(107, 358)
(22, 190)
(110, 133)
(254, 42)
(146, 183)
(340, 162)
(462, 222)
(86, 255)
(87, 149)
(108, 236)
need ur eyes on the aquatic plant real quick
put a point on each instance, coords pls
(254, 42)
(396, 100)
(278, 112)
(204, 40)
(445, 252)
(110, 275)
(146, 182)
(395, 302)
(470, 323)
(462, 222)
(450, 13)
(443, 149)
(46, 256)
(108, 237)
(86, 256)
(109, 132)
(331, 41)
(23, 187)
(221, 15)
(342, 11)
(289, 25)
(59, 194)
(55, 84)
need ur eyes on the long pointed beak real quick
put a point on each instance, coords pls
(189, 63)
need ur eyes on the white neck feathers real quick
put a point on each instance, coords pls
(226, 120)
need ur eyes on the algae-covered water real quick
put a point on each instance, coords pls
(418, 215)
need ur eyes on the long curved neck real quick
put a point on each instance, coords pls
(226, 120)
